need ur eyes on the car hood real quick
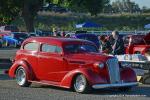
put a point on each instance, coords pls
(89, 57)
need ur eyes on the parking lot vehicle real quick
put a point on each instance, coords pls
(137, 44)
(87, 36)
(1, 42)
(15, 39)
(69, 63)
(2, 34)
(53, 7)
(9, 28)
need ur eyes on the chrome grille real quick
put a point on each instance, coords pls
(113, 69)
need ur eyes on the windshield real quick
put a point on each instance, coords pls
(78, 48)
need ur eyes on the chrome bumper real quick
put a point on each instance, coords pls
(99, 86)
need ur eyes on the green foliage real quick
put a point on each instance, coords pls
(10, 9)
(67, 21)
(120, 6)
(92, 6)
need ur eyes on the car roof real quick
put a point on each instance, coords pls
(56, 40)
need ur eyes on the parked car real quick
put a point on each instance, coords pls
(87, 36)
(1, 42)
(69, 63)
(53, 7)
(2, 34)
(15, 39)
(137, 44)
(9, 28)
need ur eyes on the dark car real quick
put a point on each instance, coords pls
(9, 28)
(90, 37)
(1, 42)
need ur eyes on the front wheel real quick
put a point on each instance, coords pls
(21, 77)
(81, 84)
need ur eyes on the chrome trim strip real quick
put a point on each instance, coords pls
(114, 71)
(99, 86)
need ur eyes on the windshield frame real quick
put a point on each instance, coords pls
(78, 49)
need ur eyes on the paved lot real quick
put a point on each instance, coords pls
(9, 90)
(7, 53)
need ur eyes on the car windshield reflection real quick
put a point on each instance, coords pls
(80, 48)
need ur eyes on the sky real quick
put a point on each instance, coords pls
(140, 2)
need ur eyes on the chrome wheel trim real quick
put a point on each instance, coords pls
(20, 76)
(80, 83)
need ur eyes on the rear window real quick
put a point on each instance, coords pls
(31, 46)
(50, 48)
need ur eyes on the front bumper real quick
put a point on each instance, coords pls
(99, 86)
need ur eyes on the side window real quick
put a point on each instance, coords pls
(31, 46)
(50, 48)
(58, 49)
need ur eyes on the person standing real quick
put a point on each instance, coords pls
(105, 45)
(117, 44)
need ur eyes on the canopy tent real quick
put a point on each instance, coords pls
(88, 25)
(147, 26)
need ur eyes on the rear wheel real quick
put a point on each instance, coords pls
(21, 77)
(0, 44)
(6, 43)
(16, 45)
(81, 84)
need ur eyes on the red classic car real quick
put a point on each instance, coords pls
(69, 63)
(137, 44)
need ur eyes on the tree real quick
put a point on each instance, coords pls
(27, 9)
(125, 6)
(92, 6)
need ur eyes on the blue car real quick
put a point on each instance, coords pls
(15, 39)
(86, 36)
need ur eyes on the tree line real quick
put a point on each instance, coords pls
(27, 9)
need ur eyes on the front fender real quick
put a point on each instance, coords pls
(25, 65)
(128, 75)
(91, 76)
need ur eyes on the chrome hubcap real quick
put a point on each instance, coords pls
(20, 76)
(80, 83)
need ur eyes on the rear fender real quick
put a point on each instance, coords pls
(91, 77)
(25, 65)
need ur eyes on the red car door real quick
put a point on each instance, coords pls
(51, 63)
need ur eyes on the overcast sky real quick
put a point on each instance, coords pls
(141, 2)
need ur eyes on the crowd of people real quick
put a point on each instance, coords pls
(113, 44)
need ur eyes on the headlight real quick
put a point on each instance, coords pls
(100, 65)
